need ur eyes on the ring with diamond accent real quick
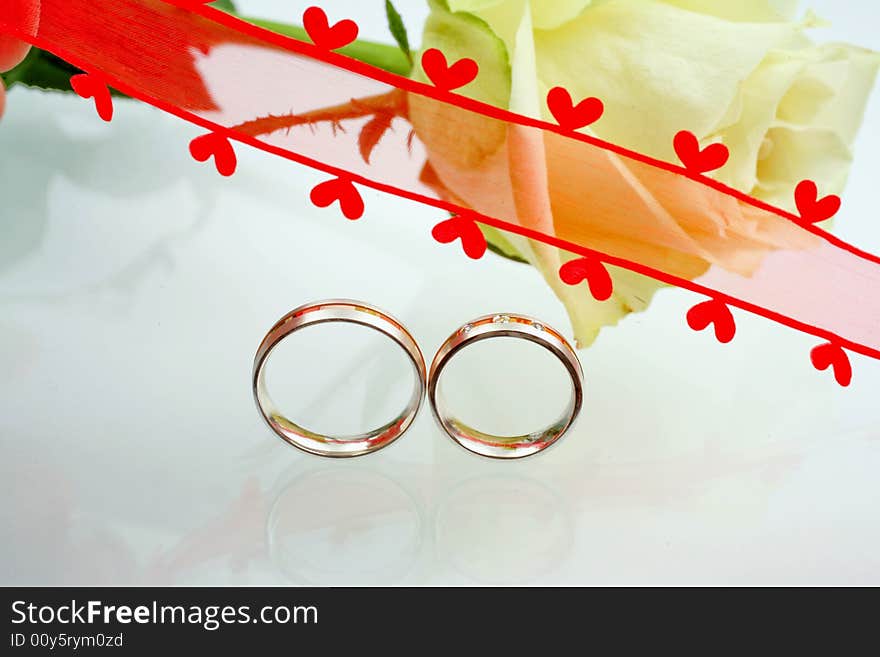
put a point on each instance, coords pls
(338, 310)
(511, 326)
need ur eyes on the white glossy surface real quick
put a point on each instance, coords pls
(135, 285)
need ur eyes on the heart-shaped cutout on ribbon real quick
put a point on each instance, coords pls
(324, 35)
(698, 161)
(216, 146)
(832, 355)
(593, 272)
(466, 229)
(88, 85)
(811, 208)
(570, 116)
(713, 312)
(339, 189)
(445, 76)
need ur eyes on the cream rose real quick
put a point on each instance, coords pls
(744, 74)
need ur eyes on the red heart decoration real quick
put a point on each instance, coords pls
(342, 190)
(713, 312)
(570, 116)
(326, 36)
(591, 270)
(444, 76)
(216, 146)
(687, 147)
(811, 207)
(90, 86)
(464, 228)
(832, 355)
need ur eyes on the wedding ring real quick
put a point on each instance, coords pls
(338, 310)
(509, 326)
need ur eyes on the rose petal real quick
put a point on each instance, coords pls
(640, 56)
(24, 14)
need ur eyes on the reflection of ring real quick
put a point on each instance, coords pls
(503, 530)
(368, 528)
(338, 310)
(513, 326)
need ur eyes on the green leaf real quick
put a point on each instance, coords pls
(381, 55)
(224, 5)
(499, 244)
(398, 29)
(43, 70)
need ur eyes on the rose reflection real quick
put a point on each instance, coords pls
(46, 538)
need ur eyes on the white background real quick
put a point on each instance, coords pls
(135, 285)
